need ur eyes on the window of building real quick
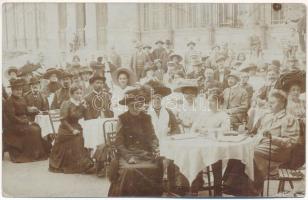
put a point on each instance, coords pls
(101, 23)
(278, 16)
(81, 22)
(228, 15)
(62, 24)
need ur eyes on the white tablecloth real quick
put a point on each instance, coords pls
(195, 154)
(92, 129)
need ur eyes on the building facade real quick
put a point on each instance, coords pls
(92, 28)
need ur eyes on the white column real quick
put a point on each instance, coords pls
(90, 29)
(71, 23)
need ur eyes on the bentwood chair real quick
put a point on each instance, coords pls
(54, 118)
(288, 172)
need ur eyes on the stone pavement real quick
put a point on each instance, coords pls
(34, 180)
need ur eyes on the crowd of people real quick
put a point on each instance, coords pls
(160, 93)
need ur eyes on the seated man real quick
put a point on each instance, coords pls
(36, 101)
(137, 174)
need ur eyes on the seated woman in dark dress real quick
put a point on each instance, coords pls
(22, 137)
(68, 155)
(138, 173)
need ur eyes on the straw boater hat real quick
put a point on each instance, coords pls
(131, 75)
(187, 84)
(51, 71)
(159, 88)
(220, 57)
(247, 68)
(191, 43)
(234, 74)
(159, 41)
(17, 83)
(85, 70)
(135, 94)
(95, 77)
(175, 55)
(34, 80)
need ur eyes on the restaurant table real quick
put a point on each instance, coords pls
(194, 154)
(92, 129)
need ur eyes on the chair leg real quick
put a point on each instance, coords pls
(209, 180)
(291, 184)
(279, 187)
(282, 186)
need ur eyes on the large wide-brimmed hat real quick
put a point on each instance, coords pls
(28, 68)
(191, 43)
(51, 71)
(97, 76)
(187, 84)
(234, 74)
(136, 93)
(34, 80)
(11, 69)
(180, 58)
(130, 75)
(159, 42)
(85, 70)
(159, 88)
(286, 80)
(247, 68)
(17, 83)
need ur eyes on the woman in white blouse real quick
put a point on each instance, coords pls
(213, 119)
(122, 78)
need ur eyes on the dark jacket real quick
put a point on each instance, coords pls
(96, 104)
(60, 96)
(135, 136)
(39, 101)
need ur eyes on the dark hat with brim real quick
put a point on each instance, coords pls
(17, 83)
(159, 42)
(180, 58)
(51, 71)
(187, 84)
(287, 80)
(34, 80)
(131, 75)
(276, 63)
(191, 43)
(136, 93)
(66, 74)
(97, 77)
(159, 88)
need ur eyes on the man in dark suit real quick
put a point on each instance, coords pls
(235, 101)
(99, 100)
(160, 53)
(62, 94)
(35, 100)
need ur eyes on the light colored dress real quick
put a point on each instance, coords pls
(296, 108)
(210, 120)
(118, 94)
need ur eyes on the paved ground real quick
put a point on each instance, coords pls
(34, 180)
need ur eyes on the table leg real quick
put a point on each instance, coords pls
(217, 171)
